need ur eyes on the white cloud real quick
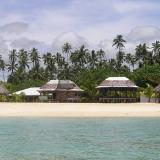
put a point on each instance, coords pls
(141, 34)
(144, 34)
(71, 37)
(94, 23)
(92, 20)
(111, 51)
(123, 6)
(106, 45)
(48, 24)
(3, 48)
(28, 44)
(130, 47)
(12, 31)
(12, 18)
(18, 35)
(14, 27)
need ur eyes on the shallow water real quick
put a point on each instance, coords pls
(79, 138)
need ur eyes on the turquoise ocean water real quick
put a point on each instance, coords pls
(79, 138)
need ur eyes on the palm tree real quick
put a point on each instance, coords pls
(67, 50)
(50, 62)
(142, 55)
(23, 60)
(138, 54)
(100, 57)
(83, 55)
(93, 59)
(119, 43)
(60, 62)
(120, 59)
(65, 74)
(156, 51)
(112, 63)
(80, 58)
(2, 66)
(75, 59)
(12, 65)
(35, 59)
(46, 58)
(156, 47)
(130, 59)
(150, 59)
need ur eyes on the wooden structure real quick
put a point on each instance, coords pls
(61, 91)
(3, 93)
(157, 93)
(30, 94)
(117, 90)
(3, 90)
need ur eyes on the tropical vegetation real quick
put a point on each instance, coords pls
(85, 67)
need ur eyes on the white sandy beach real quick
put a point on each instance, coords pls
(79, 110)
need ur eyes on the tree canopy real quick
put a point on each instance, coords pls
(84, 66)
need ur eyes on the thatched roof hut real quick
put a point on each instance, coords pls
(117, 89)
(117, 82)
(61, 91)
(3, 90)
(60, 85)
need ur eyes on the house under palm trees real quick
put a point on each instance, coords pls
(60, 91)
(118, 90)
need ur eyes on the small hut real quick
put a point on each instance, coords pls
(157, 93)
(61, 91)
(3, 90)
(30, 94)
(3, 93)
(117, 90)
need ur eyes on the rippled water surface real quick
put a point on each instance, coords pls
(79, 138)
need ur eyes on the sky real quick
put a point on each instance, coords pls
(48, 24)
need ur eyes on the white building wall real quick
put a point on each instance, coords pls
(144, 99)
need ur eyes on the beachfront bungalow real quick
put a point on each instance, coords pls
(157, 93)
(60, 91)
(3, 90)
(3, 93)
(117, 90)
(30, 94)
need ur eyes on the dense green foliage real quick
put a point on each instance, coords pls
(85, 67)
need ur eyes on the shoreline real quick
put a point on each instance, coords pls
(79, 110)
